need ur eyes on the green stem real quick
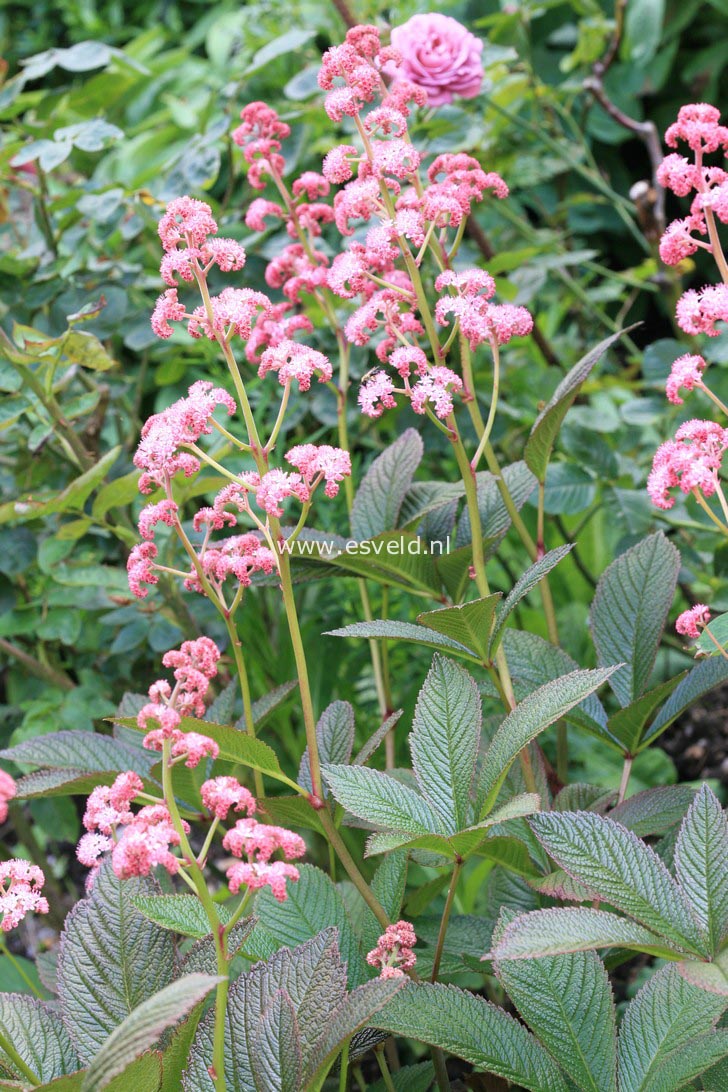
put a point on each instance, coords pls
(384, 1068)
(218, 934)
(624, 782)
(242, 671)
(18, 1062)
(344, 1068)
(352, 870)
(445, 922)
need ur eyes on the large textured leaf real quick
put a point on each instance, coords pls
(39, 1037)
(546, 426)
(79, 751)
(313, 903)
(394, 557)
(314, 979)
(708, 976)
(665, 1016)
(494, 517)
(537, 711)
(532, 576)
(143, 1027)
(620, 869)
(700, 680)
(567, 1002)
(558, 931)
(654, 811)
(144, 1075)
(385, 485)
(701, 863)
(473, 1029)
(444, 741)
(182, 914)
(277, 1057)
(381, 800)
(357, 1009)
(533, 661)
(469, 624)
(684, 1065)
(111, 958)
(629, 611)
(404, 631)
(335, 736)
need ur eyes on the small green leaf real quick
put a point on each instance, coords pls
(620, 869)
(381, 800)
(537, 711)
(522, 587)
(473, 1029)
(404, 631)
(558, 930)
(444, 741)
(143, 1027)
(335, 736)
(379, 497)
(628, 724)
(629, 611)
(666, 1015)
(567, 1002)
(701, 864)
(182, 914)
(548, 423)
(470, 624)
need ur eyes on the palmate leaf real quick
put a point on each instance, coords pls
(537, 711)
(666, 1015)
(444, 741)
(701, 864)
(38, 1035)
(111, 958)
(381, 800)
(143, 1027)
(473, 1029)
(629, 612)
(379, 497)
(567, 1002)
(620, 869)
(559, 930)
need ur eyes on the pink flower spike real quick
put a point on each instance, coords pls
(22, 895)
(394, 951)
(8, 789)
(690, 622)
(222, 793)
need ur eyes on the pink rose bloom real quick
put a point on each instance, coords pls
(439, 54)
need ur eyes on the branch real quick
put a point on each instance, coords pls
(35, 667)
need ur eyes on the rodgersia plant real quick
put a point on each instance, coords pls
(200, 909)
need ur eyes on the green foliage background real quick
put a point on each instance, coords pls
(121, 106)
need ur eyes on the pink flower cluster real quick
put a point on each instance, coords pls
(20, 887)
(258, 842)
(685, 375)
(691, 462)
(8, 790)
(440, 55)
(394, 951)
(194, 664)
(691, 621)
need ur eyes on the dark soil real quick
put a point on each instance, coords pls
(698, 742)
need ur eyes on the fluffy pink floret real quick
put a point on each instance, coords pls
(295, 362)
(167, 309)
(274, 488)
(222, 793)
(321, 463)
(145, 843)
(678, 174)
(259, 841)
(165, 511)
(194, 747)
(691, 461)
(338, 165)
(254, 876)
(394, 951)
(140, 569)
(108, 806)
(687, 373)
(20, 886)
(690, 622)
(436, 387)
(698, 124)
(8, 789)
(91, 847)
(376, 395)
(186, 220)
(698, 312)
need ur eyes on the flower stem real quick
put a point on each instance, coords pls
(352, 869)
(445, 921)
(626, 771)
(242, 671)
